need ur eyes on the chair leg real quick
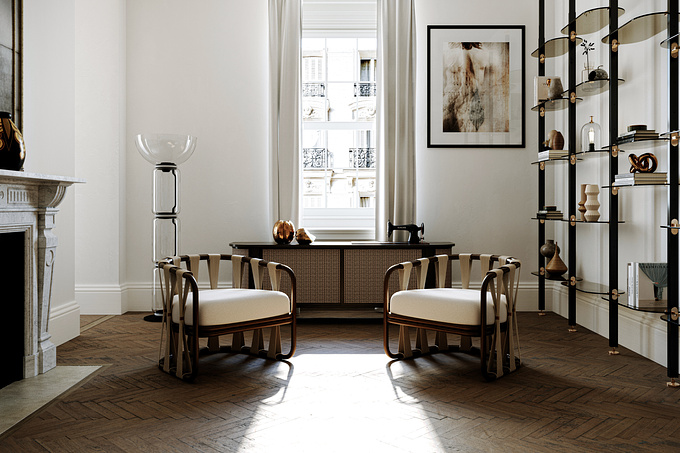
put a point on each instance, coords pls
(258, 342)
(442, 341)
(274, 343)
(421, 341)
(237, 341)
(465, 343)
(214, 344)
(405, 342)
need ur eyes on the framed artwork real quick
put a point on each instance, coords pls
(475, 86)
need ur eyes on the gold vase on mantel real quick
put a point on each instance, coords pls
(556, 266)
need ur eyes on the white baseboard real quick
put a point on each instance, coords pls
(643, 333)
(64, 322)
(101, 299)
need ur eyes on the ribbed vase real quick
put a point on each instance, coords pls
(592, 205)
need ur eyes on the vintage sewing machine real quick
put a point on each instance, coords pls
(412, 229)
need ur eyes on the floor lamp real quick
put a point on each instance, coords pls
(165, 152)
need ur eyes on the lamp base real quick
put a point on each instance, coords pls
(154, 317)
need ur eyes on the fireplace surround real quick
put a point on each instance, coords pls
(28, 206)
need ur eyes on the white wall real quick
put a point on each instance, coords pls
(100, 155)
(49, 133)
(481, 199)
(199, 70)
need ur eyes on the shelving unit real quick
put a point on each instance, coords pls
(637, 29)
(587, 22)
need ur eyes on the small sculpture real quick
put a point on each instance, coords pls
(411, 228)
(304, 237)
(283, 232)
(555, 140)
(644, 163)
(598, 74)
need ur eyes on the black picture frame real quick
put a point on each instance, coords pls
(476, 86)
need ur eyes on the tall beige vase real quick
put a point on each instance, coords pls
(592, 204)
(582, 203)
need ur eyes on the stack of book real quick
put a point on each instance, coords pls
(552, 154)
(636, 135)
(549, 213)
(632, 179)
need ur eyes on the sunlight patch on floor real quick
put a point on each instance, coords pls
(327, 407)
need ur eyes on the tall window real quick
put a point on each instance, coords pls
(338, 142)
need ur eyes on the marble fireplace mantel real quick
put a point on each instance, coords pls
(28, 205)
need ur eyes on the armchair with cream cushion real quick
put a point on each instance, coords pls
(222, 311)
(487, 313)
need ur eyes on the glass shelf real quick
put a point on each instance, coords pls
(584, 286)
(647, 306)
(558, 278)
(592, 87)
(668, 42)
(644, 141)
(591, 21)
(553, 104)
(667, 135)
(641, 28)
(670, 321)
(556, 47)
(637, 185)
(602, 222)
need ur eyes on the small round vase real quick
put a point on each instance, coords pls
(12, 150)
(283, 231)
(556, 266)
(592, 205)
(548, 249)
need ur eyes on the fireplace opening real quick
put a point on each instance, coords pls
(13, 305)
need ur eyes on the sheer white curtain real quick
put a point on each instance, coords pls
(285, 31)
(396, 172)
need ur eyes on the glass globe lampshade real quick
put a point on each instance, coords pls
(166, 148)
(590, 136)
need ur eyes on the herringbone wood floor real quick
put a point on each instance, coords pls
(341, 393)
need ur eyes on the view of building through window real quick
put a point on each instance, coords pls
(338, 142)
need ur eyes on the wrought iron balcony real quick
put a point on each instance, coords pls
(313, 90)
(362, 157)
(316, 158)
(364, 89)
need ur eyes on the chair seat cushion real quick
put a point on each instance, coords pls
(232, 305)
(450, 305)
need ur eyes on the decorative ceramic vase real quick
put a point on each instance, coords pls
(548, 249)
(283, 232)
(582, 203)
(555, 89)
(12, 150)
(592, 204)
(556, 266)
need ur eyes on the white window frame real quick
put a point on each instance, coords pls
(339, 223)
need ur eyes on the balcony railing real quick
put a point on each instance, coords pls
(313, 90)
(316, 158)
(362, 157)
(364, 89)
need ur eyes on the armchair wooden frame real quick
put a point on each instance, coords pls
(499, 341)
(180, 352)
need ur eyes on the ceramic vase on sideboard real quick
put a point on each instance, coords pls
(592, 204)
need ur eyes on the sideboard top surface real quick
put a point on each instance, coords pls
(342, 245)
